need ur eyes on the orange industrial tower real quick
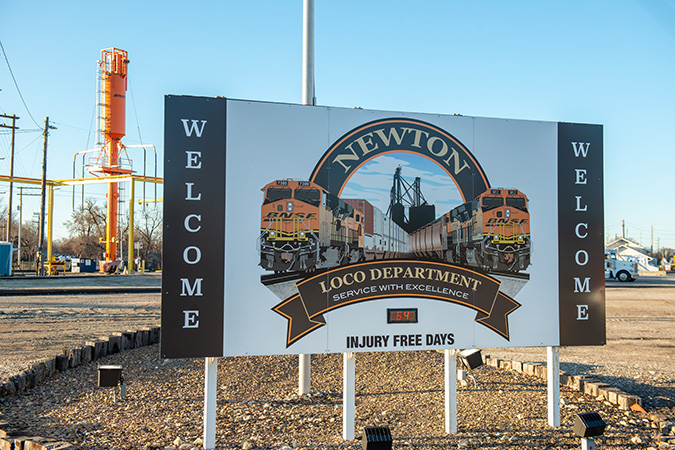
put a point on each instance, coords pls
(112, 158)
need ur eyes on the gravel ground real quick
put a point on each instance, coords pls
(257, 406)
(257, 401)
(639, 357)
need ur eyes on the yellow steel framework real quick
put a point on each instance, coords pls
(78, 181)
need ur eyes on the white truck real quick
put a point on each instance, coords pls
(619, 269)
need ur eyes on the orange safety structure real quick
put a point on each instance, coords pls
(112, 158)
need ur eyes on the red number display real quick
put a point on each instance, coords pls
(404, 315)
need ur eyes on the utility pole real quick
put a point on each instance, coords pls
(651, 249)
(11, 174)
(41, 267)
(623, 228)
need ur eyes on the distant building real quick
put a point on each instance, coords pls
(628, 250)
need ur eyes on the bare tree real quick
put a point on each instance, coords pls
(148, 229)
(3, 223)
(87, 226)
(29, 240)
(664, 253)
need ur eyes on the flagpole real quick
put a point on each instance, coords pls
(308, 98)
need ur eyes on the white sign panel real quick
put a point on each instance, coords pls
(297, 229)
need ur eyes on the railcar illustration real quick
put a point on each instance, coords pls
(491, 232)
(383, 238)
(304, 227)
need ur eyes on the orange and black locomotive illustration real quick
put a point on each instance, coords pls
(492, 232)
(304, 227)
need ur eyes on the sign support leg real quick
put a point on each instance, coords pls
(210, 389)
(553, 376)
(304, 373)
(348, 395)
(450, 357)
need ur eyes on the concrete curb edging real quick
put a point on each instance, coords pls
(595, 389)
(76, 356)
(81, 290)
(581, 383)
(11, 438)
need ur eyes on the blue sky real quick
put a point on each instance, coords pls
(607, 62)
(373, 181)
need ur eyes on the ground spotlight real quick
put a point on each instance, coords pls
(471, 359)
(111, 376)
(586, 426)
(376, 438)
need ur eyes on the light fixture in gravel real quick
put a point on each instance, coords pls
(376, 438)
(586, 426)
(111, 376)
(471, 359)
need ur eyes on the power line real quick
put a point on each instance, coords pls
(133, 102)
(20, 151)
(91, 125)
(21, 130)
(4, 53)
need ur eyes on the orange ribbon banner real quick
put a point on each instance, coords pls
(375, 280)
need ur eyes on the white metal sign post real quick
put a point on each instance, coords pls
(210, 390)
(450, 358)
(348, 395)
(553, 388)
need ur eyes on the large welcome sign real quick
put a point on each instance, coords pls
(295, 229)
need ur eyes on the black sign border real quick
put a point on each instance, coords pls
(208, 184)
(581, 282)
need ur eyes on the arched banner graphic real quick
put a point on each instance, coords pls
(376, 138)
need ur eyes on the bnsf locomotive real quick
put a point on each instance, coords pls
(304, 227)
(491, 232)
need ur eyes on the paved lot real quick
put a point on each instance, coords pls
(37, 327)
